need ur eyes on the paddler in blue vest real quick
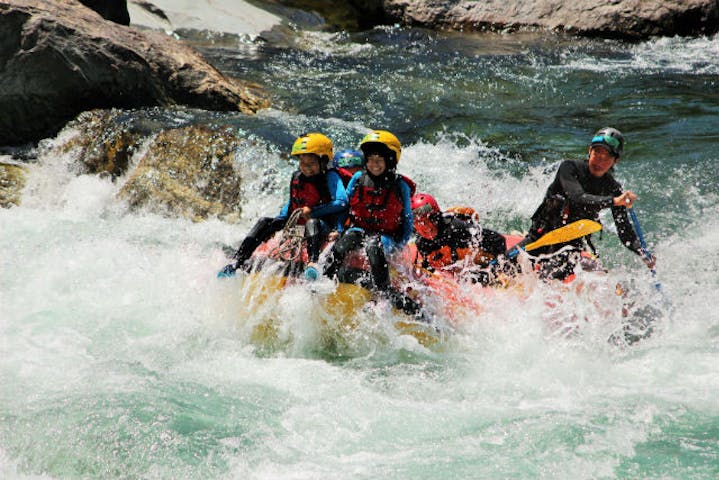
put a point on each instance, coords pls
(454, 241)
(314, 189)
(580, 190)
(380, 215)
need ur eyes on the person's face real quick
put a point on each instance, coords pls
(309, 164)
(376, 164)
(425, 227)
(600, 160)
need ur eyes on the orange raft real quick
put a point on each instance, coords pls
(345, 308)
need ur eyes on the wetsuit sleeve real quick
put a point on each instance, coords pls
(568, 176)
(342, 217)
(285, 212)
(423, 250)
(621, 220)
(338, 196)
(407, 218)
(625, 231)
(351, 184)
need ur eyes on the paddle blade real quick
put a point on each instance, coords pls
(567, 233)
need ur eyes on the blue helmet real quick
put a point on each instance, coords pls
(348, 158)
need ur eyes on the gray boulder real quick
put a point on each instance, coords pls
(628, 19)
(59, 58)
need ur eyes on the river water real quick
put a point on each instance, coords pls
(122, 356)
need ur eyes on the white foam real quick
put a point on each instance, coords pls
(698, 56)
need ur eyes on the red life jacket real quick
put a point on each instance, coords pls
(308, 191)
(377, 209)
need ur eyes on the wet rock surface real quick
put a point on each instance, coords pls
(12, 181)
(188, 172)
(629, 19)
(60, 58)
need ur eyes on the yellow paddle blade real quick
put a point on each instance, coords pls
(567, 233)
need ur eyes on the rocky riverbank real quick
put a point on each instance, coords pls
(624, 19)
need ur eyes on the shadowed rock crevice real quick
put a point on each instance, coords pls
(113, 10)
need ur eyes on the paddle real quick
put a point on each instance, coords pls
(647, 253)
(567, 233)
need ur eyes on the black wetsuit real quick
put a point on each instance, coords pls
(576, 194)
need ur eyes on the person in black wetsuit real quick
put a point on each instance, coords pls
(453, 241)
(580, 190)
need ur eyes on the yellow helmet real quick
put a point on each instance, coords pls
(315, 143)
(385, 138)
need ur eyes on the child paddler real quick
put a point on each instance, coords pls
(379, 217)
(453, 241)
(314, 189)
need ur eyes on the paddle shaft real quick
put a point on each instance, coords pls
(647, 253)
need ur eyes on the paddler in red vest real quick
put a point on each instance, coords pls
(314, 189)
(453, 241)
(380, 215)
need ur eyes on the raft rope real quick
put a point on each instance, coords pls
(289, 249)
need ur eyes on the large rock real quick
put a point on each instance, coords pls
(189, 172)
(103, 141)
(12, 182)
(59, 58)
(632, 19)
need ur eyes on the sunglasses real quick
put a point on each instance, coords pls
(606, 139)
(422, 211)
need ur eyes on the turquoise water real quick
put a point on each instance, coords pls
(121, 356)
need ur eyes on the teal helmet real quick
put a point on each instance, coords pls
(611, 139)
(348, 158)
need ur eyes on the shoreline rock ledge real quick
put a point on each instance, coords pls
(621, 19)
(59, 58)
